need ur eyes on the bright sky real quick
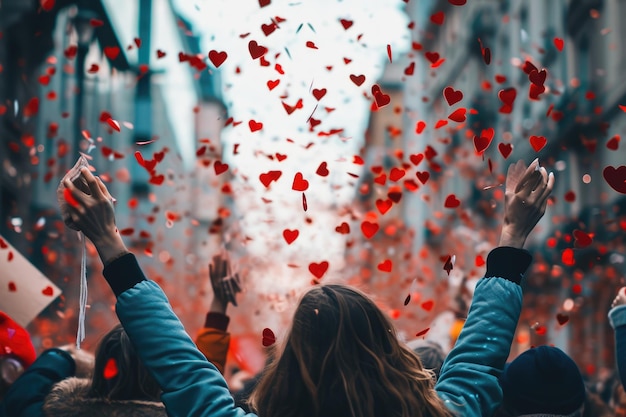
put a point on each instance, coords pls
(334, 55)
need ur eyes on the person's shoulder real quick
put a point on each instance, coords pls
(70, 397)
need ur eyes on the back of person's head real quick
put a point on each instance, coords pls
(118, 371)
(543, 380)
(430, 353)
(342, 358)
(17, 352)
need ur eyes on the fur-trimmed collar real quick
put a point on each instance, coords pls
(69, 398)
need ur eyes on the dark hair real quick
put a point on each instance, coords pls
(130, 380)
(431, 354)
(342, 358)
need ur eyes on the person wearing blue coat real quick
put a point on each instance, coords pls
(341, 357)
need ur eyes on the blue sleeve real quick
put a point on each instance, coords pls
(468, 383)
(26, 396)
(617, 318)
(191, 385)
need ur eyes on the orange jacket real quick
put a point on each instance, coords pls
(213, 340)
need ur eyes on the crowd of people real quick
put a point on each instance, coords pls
(341, 356)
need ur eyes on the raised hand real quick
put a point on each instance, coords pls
(225, 284)
(525, 201)
(93, 214)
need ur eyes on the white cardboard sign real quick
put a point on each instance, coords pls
(24, 290)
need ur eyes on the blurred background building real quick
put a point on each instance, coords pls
(109, 79)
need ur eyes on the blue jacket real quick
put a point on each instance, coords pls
(617, 318)
(192, 386)
(26, 396)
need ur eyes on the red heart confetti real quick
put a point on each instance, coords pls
(613, 143)
(110, 369)
(419, 127)
(357, 79)
(318, 94)
(343, 228)
(47, 5)
(217, 58)
(538, 77)
(290, 235)
(407, 300)
(567, 257)
(428, 305)
(562, 318)
(452, 96)
(558, 44)
(437, 18)
(299, 183)
(451, 201)
(537, 142)
(322, 170)
(385, 266)
(160, 54)
(457, 2)
(256, 50)
(318, 269)
(616, 178)
(410, 70)
(416, 158)
(458, 115)
(426, 330)
(582, 239)
(383, 206)
(369, 229)
(505, 149)
(270, 176)
(48, 291)
(254, 125)
(347, 24)
(422, 176)
(220, 167)
(268, 336)
(396, 174)
(272, 84)
(32, 107)
(12, 286)
(507, 96)
(111, 52)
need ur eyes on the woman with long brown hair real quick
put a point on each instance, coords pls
(340, 357)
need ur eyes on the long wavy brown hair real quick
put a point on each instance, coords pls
(342, 358)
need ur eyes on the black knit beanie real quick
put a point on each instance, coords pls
(543, 380)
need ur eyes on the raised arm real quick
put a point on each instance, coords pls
(617, 318)
(213, 340)
(469, 376)
(191, 385)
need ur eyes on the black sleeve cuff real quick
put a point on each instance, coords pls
(217, 321)
(508, 263)
(123, 273)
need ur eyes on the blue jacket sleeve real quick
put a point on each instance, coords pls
(468, 383)
(617, 318)
(191, 385)
(27, 394)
